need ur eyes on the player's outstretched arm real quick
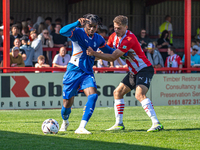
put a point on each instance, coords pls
(66, 30)
(109, 57)
(107, 49)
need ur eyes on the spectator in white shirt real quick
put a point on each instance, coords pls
(62, 59)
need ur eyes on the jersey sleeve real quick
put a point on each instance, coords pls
(74, 34)
(55, 60)
(101, 41)
(67, 30)
(126, 44)
(166, 62)
(110, 40)
(170, 27)
(104, 47)
(179, 61)
(107, 49)
(37, 65)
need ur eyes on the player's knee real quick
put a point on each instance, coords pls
(139, 97)
(117, 93)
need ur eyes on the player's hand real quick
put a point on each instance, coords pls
(83, 21)
(125, 66)
(89, 51)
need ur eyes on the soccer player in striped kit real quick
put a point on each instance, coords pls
(139, 75)
(79, 76)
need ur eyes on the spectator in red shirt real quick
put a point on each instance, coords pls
(173, 60)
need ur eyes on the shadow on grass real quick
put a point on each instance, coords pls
(126, 130)
(24, 141)
(184, 129)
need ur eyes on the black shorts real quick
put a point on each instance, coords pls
(143, 77)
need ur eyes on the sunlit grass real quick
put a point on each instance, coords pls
(21, 129)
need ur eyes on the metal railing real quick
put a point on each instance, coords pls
(54, 50)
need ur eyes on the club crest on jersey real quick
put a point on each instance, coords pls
(124, 47)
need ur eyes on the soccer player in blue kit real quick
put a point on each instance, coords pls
(79, 75)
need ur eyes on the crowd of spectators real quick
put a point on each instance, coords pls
(168, 58)
(27, 40)
(30, 39)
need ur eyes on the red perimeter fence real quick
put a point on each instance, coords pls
(100, 70)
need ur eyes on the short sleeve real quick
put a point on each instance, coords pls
(102, 42)
(170, 27)
(110, 40)
(126, 44)
(166, 62)
(55, 60)
(36, 65)
(179, 60)
(75, 33)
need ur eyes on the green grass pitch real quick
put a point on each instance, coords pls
(21, 130)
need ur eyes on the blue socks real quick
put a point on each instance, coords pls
(89, 107)
(65, 112)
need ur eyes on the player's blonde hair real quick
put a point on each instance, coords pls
(121, 20)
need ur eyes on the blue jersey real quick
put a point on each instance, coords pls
(80, 42)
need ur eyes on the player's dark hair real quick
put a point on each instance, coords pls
(172, 48)
(93, 18)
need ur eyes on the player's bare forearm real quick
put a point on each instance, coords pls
(109, 57)
(180, 66)
(45, 65)
(58, 66)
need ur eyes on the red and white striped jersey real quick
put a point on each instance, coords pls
(173, 61)
(129, 43)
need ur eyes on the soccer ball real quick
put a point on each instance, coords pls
(50, 126)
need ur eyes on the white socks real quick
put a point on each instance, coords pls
(83, 124)
(119, 109)
(65, 121)
(148, 107)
